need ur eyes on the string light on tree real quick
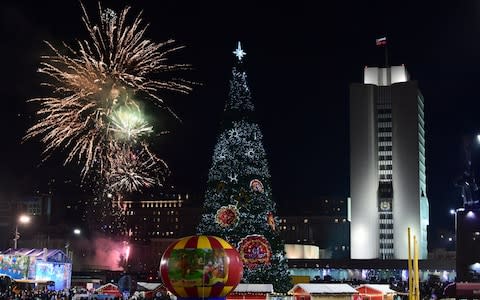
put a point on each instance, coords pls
(233, 178)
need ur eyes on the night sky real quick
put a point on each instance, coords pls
(300, 61)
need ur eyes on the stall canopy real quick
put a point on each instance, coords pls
(323, 288)
(149, 286)
(253, 288)
(251, 291)
(109, 289)
(149, 289)
(467, 290)
(314, 291)
(50, 255)
(375, 292)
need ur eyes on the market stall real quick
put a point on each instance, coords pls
(37, 265)
(251, 291)
(323, 291)
(375, 292)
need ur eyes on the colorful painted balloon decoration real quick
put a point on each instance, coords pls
(202, 266)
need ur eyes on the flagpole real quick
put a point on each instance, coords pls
(383, 42)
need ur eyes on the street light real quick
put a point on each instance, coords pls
(23, 219)
(76, 232)
(453, 212)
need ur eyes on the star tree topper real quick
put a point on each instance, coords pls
(239, 53)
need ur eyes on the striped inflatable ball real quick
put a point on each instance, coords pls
(201, 267)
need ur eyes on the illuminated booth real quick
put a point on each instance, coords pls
(37, 265)
(251, 291)
(109, 289)
(376, 292)
(323, 291)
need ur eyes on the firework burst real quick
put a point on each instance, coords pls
(91, 113)
(133, 169)
(128, 124)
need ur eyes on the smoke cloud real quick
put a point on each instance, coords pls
(103, 253)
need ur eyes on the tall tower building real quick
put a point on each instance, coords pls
(387, 165)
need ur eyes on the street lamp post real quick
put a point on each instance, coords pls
(77, 232)
(453, 212)
(23, 219)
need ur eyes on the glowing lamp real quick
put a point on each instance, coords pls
(198, 267)
(475, 267)
(24, 219)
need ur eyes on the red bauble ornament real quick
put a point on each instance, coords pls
(201, 267)
(227, 216)
(255, 250)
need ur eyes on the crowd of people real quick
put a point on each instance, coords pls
(431, 289)
(70, 294)
(36, 294)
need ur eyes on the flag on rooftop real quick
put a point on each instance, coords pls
(381, 41)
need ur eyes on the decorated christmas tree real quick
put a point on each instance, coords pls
(238, 201)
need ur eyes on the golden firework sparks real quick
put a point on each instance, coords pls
(90, 112)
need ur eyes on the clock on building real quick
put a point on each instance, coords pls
(385, 205)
